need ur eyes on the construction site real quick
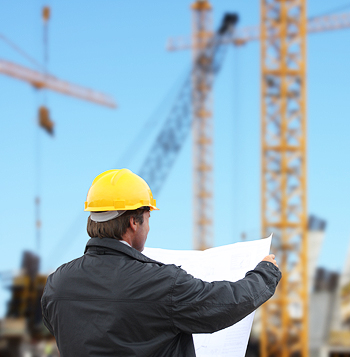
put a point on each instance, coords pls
(234, 112)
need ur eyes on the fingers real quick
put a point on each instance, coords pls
(271, 258)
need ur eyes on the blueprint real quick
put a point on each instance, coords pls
(229, 262)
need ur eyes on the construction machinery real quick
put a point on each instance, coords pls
(192, 107)
(23, 319)
(26, 290)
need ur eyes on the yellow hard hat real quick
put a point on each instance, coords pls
(115, 190)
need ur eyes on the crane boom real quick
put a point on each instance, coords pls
(252, 33)
(168, 143)
(41, 80)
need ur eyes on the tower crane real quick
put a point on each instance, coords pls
(24, 308)
(43, 80)
(192, 107)
(284, 329)
(283, 148)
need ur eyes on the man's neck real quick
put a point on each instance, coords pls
(125, 242)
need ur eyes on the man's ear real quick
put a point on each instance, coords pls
(132, 222)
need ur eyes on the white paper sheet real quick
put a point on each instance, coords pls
(229, 262)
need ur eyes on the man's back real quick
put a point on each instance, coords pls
(114, 301)
(110, 304)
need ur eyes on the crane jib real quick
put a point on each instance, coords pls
(163, 152)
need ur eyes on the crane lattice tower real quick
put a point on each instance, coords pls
(283, 191)
(202, 126)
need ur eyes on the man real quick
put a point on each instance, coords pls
(114, 301)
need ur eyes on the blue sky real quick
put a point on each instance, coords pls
(118, 47)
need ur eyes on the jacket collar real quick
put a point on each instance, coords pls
(115, 245)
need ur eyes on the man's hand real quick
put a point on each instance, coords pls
(270, 258)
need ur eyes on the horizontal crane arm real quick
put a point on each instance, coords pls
(40, 80)
(252, 33)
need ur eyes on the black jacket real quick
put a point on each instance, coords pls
(114, 301)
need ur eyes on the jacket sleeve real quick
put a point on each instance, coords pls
(44, 313)
(202, 307)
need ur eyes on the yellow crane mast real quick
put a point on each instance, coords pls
(284, 329)
(202, 97)
(202, 131)
(283, 155)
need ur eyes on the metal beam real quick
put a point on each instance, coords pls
(40, 80)
(252, 33)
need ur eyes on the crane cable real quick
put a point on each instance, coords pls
(153, 122)
(38, 187)
(238, 203)
(45, 16)
(21, 52)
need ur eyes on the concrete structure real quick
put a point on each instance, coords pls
(330, 314)
(329, 304)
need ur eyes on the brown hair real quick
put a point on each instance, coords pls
(115, 228)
